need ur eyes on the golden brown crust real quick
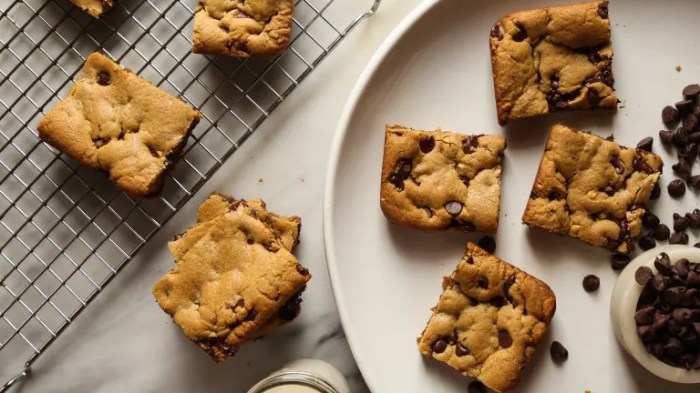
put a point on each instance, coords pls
(242, 28)
(592, 189)
(234, 280)
(118, 122)
(552, 60)
(489, 320)
(418, 183)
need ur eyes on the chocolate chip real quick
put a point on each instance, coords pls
(603, 10)
(676, 188)
(691, 91)
(656, 349)
(553, 196)
(643, 275)
(660, 282)
(670, 115)
(496, 32)
(647, 241)
(674, 347)
(646, 333)
(439, 346)
(680, 137)
(685, 106)
(461, 350)
(488, 244)
(397, 181)
(660, 320)
(558, 352)
(454, 208)
(470, 144)
(640, 165)
(483, 282)
(403, 168)
(497, 301)
(655, 192)
(650, 220)
(693, 279)
(694, 219)
(672, 295)
(617, 164)
(680, 223)
(662, 232)
(682, 315)
(427, 144)
(662, 263)
(476, 387)
(504, 339)
(302, 270)
(681, 268)
(645, 315)
(508, 283)
(103, 78)
(689, 152)
(682, 168)
(645, 144)
(678, 238)
(666, 136)
(520, 35)
(591, 283)
(691, 122)
(648, 296)
(101, 142)
(695, 181)
(619, 261)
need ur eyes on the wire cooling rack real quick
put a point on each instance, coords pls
(66, 231)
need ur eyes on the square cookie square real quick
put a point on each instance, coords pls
(442, 180)
(94, 7)
(242, 28)
(489, 319)
(120, 123)
(233, 281)
(552, 60)
(288, 230)
(592, 189)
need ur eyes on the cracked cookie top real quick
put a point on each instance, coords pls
(592, 189)
(287, 228)
(118, 122)
(231, 280)
(441, 180)
(552, 60)
(242, 28)
(488, 320)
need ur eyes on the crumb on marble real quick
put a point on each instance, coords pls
(679, 68)
(302, 179)
(260, 180)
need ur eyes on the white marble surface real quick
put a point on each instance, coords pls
(123, 342)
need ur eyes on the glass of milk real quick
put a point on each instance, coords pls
(303, 376)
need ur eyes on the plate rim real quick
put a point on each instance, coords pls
(341, 132)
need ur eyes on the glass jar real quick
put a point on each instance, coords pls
(303, 376)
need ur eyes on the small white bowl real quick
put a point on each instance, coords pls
(623, 306)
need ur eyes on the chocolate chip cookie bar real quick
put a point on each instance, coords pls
(234, 280)
(287, 231)
(552, 60)
(242, 28)
(120, 123)
(441, 180)
(592, 189)
(94, 7)
(489, 319)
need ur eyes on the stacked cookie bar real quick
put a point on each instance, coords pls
(235, 277)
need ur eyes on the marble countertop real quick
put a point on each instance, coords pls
(123, 342)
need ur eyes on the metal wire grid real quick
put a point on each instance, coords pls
(66, 231)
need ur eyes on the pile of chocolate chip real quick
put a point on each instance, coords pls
(668, 311)
(683, 123)
(661, 232)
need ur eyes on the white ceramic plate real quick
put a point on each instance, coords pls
(434, 70)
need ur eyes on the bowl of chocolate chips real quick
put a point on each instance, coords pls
(655, 309)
